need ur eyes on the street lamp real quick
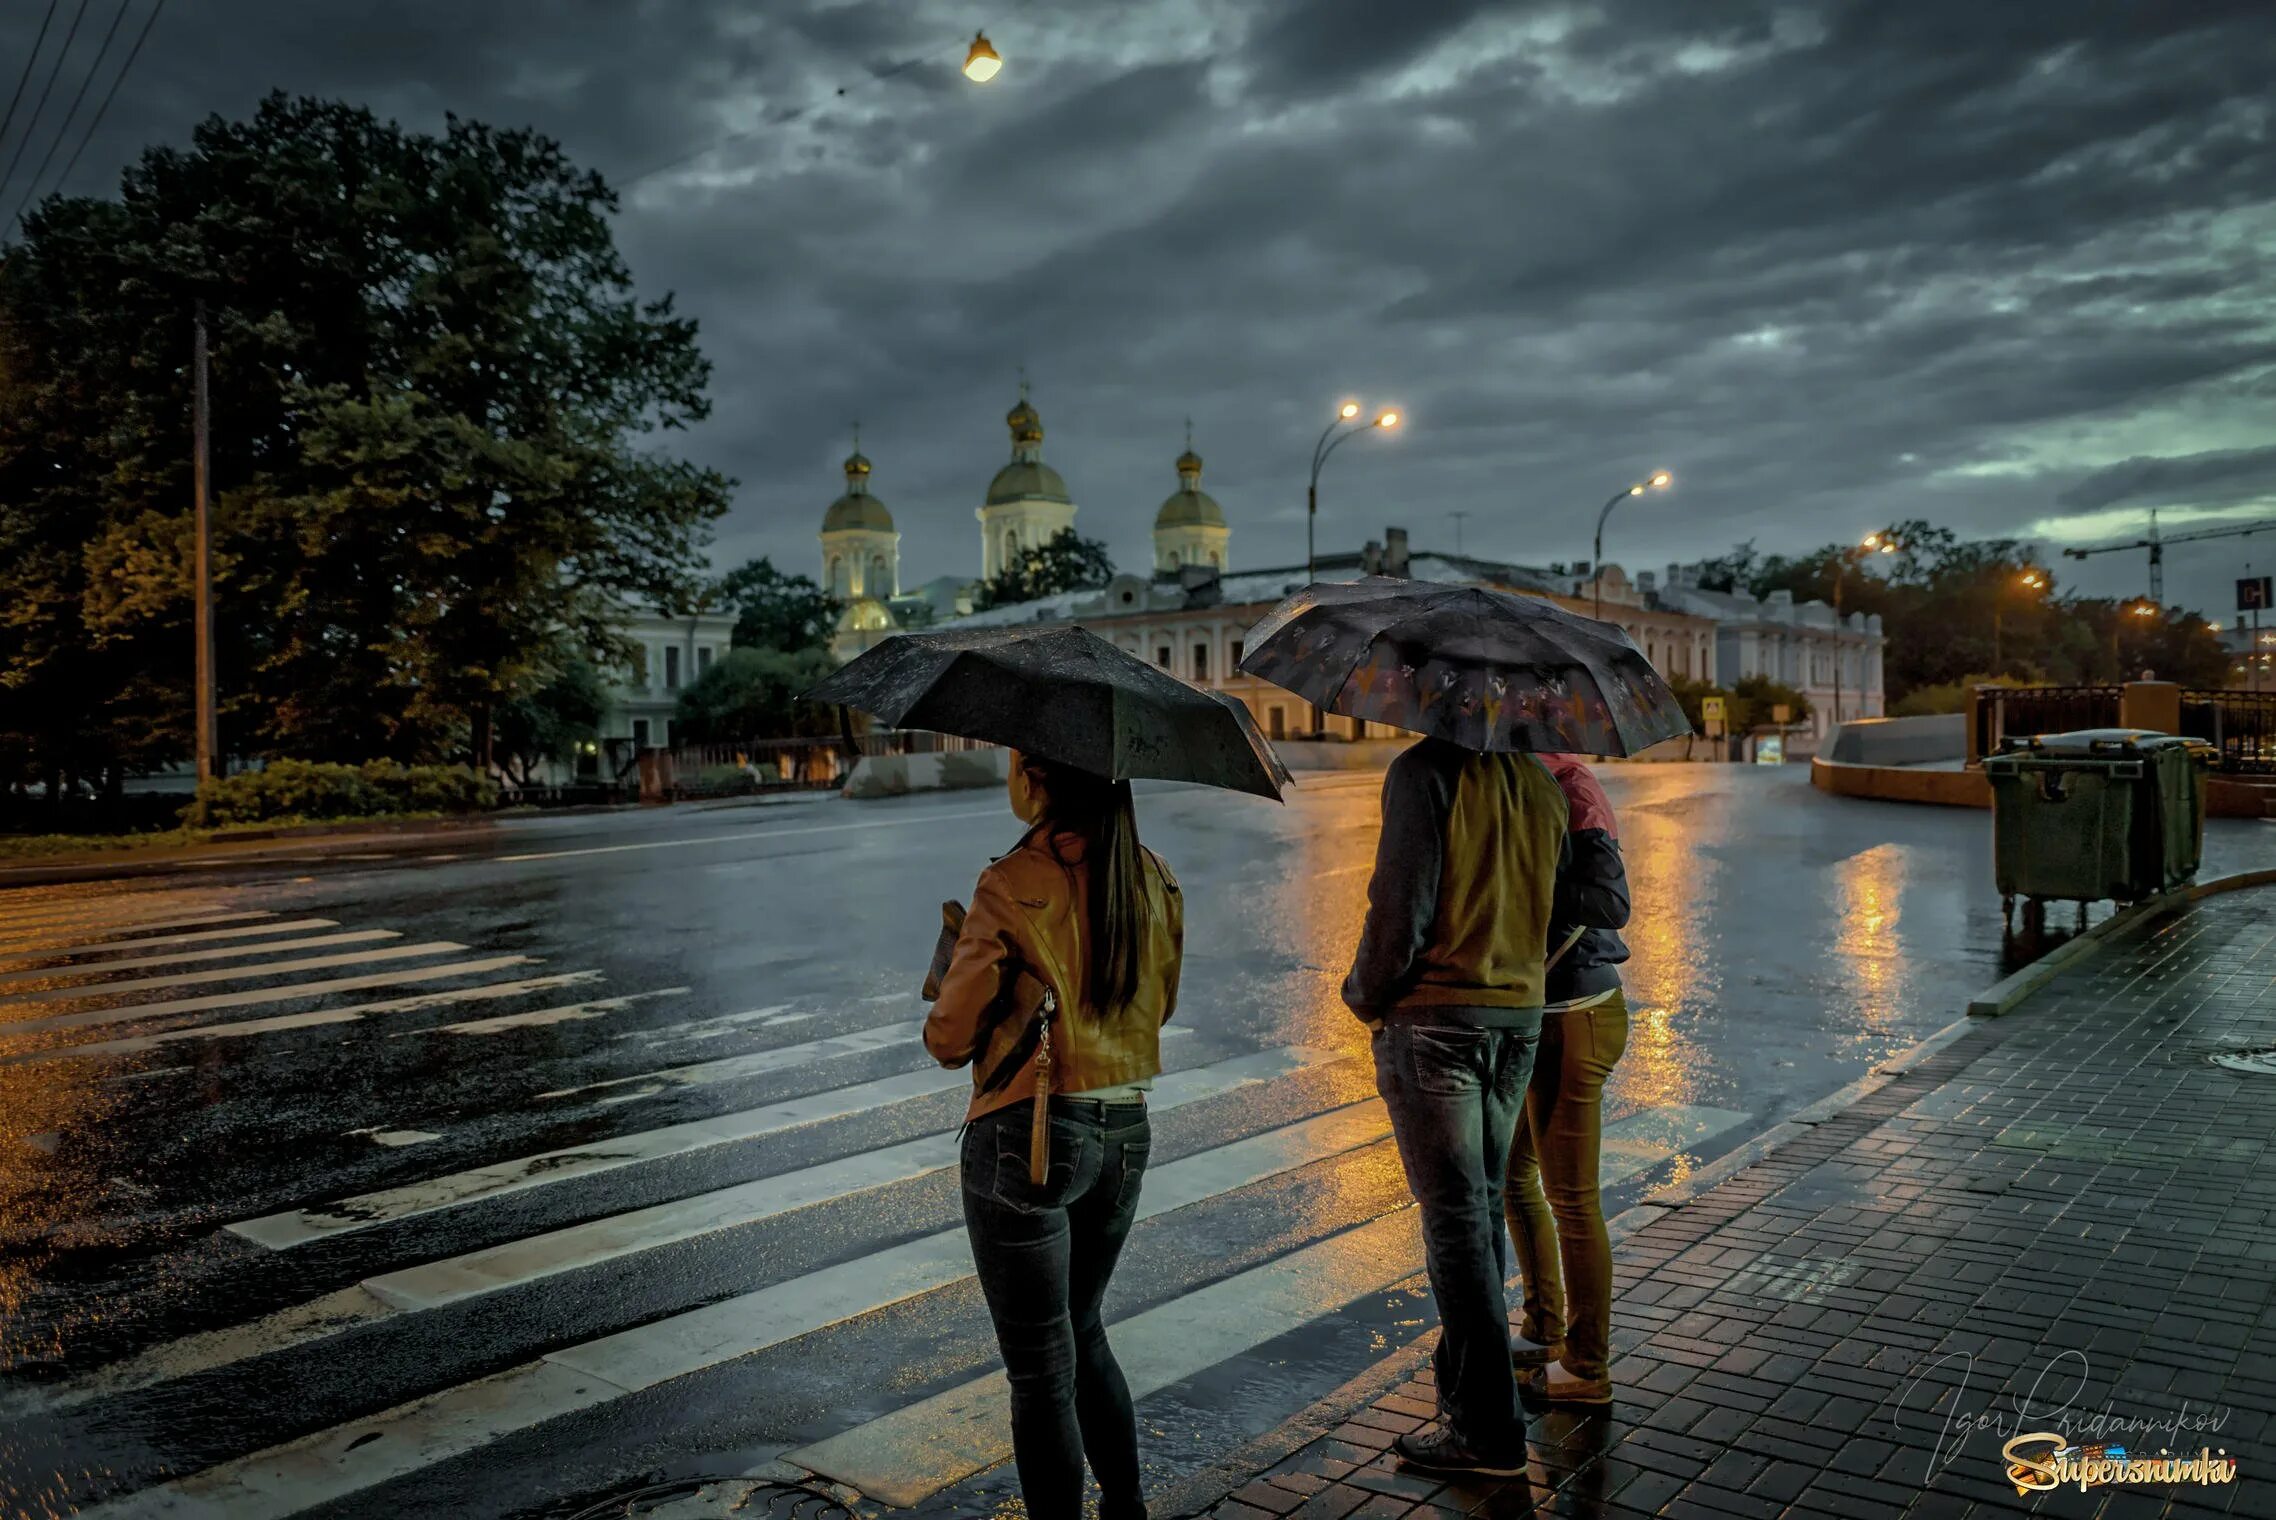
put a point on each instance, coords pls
(2029, 580)
(983, 62)
(1346, 425)
(2141, 607)
(1658, 478)
(1872, 543)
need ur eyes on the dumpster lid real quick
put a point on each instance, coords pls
(2101, 741)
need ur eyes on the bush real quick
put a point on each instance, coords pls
(315, 790)
(1946, 697)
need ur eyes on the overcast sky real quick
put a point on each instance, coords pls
(2006, 265)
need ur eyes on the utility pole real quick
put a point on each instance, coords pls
(208, 736)
(1457, 516)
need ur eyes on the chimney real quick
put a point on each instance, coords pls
(1371, 558)
(1395, 552)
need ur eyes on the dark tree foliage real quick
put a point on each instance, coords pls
(754, 694)
(1069, 562)
(776, 611)
(434, 401)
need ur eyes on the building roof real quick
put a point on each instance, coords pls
(1189, 509)
(857, 512)
(1027, 480)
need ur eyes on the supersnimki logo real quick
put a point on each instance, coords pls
(2047, 1459)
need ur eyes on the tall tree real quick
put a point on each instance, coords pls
(777, 611)
(1067, 562)
(755, 694)
(435, 406)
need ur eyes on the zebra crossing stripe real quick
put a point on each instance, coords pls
(110, 946)
(759, 1062)
(350, 1458)
(135, 1044)
(16, 943)
(136, 1011)
(181, 957)
(234, 974)
(920, 1449)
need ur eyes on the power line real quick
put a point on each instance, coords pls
(25, 78)
(63, 129)
(96, 120)
(31, 124)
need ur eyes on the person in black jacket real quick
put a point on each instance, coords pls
(1556, 1218)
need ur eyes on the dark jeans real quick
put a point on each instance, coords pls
(1455, 1095)
(1044, 1255)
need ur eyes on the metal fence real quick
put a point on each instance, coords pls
(786, 765)
(2241, 725)
(2003, 710)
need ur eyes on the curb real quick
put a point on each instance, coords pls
(2002, 996)
(1209, 1487)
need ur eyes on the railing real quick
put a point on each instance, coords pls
(788, 765)
(2003, 710)
(2241, 725)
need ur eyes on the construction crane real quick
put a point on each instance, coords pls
(2156, 545)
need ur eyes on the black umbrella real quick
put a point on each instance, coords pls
(1488, 670)
(1060, 694)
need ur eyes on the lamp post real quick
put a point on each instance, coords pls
(1659, 478)
(1873, 543)
(2141, 607)
(2030, 580)
(1345, 426)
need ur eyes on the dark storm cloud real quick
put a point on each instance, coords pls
(2216, 475)
(1834, 264)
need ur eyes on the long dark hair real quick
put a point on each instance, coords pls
(1100, 813)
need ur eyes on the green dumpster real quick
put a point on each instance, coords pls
(2101, 813)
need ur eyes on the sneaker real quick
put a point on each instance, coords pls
(1554, 1385)
(1524, 1354)
(1436, 1449)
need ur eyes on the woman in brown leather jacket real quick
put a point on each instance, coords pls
(1063, 974)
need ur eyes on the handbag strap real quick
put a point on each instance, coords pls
(1571, 940)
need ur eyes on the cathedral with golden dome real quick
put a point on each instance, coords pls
(1026, 505)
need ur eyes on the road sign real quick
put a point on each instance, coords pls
(1781, 713)
(1770, 749)
(2252, 594)
(1711, 709)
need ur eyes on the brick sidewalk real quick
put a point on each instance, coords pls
(2072, 1199)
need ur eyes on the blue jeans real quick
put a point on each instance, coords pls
(1044, 1255)
(1455, 1095)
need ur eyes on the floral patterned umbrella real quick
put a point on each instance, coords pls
(1488, 670)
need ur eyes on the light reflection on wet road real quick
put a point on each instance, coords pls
(680, 983)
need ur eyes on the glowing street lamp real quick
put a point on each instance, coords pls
(2030, 579)
(1657, 480)
(1346, 425)
(982, 63)
(1872, 543)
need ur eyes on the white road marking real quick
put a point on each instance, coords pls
(785, 1018)
(99, 947)
(246, 1027)
(13, 943)
(728, 1068)
(695, 1030)
(135, 1011)
(757, 836)
(214, 953)
(537, 1017)
(922, 1448)
(396, 1137)
(347, 1459)
(237, 973)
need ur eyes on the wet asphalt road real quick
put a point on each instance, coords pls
(503, 1167)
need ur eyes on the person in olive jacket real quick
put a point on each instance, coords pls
(1062, 975)
(1556, 1217)
(1449, 977)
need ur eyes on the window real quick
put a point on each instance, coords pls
(1162, 656)
(1234, 660)
(640, 732)
(703, 659)
(640, 666)
(671, 667)
(1277, 720)
(1201, 662)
